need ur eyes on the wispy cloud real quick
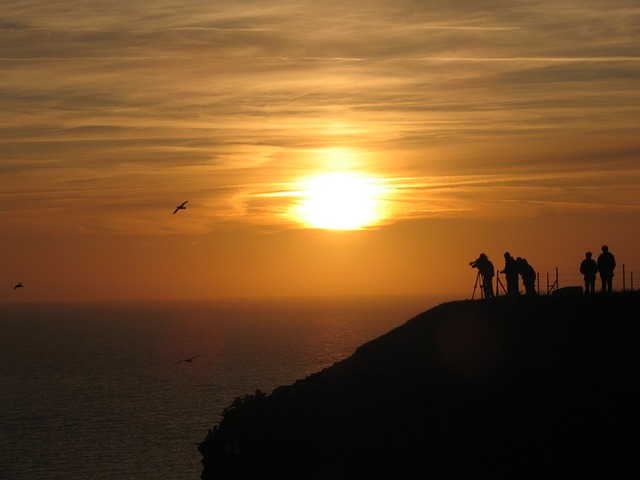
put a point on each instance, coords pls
(113, 111)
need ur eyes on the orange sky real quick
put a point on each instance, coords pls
(487, 126)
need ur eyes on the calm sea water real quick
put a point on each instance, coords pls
(93, 391)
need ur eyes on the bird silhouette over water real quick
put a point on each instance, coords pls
(188, 360)
(180, 207)
(18, 285)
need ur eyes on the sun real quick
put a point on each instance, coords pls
(339, 201)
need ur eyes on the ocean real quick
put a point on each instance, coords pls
(99, 391)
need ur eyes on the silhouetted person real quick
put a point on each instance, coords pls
(485, 267)
(528, 275)
(589, 268)
(606, 266)
(511, 273)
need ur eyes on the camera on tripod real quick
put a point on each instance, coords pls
(473, 264)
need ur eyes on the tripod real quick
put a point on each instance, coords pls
(476, 284)
(499, 285)
(480, 283)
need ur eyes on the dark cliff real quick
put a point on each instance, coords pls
(469, 389)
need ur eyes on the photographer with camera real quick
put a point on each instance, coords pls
(486, 271)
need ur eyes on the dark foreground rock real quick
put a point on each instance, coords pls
(473, 389)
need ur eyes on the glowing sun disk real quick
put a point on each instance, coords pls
(339, 201)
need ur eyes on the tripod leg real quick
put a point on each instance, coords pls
(499, 285)
(475, 285)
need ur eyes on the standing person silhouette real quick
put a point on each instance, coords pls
(511, 273)
(606, 266)
(589, 268)
(528, 276)
(485, 267)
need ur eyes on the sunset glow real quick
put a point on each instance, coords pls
(425, 131)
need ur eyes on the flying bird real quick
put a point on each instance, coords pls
(18, 285)
(180, 207)
(188, 360)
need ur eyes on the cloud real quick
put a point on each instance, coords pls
(234, 100)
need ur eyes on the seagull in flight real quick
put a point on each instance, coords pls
(180, 207)
(188, 360)
(18, 285)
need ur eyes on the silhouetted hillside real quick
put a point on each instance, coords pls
(468, 389)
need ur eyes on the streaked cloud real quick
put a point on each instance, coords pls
(113, 111)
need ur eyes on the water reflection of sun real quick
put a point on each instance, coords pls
(340, 201)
